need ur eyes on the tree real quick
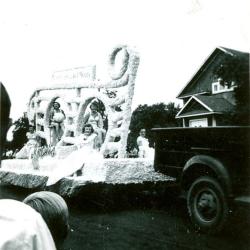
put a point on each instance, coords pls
(19, 133)
(148, 117)
(235, 70)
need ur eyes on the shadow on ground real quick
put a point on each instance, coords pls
(142, 216)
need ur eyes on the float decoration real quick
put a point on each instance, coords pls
(116, 95)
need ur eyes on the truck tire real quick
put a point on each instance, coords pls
(207, 205)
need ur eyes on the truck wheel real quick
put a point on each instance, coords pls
(207, 205)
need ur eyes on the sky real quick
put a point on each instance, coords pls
(173, 38)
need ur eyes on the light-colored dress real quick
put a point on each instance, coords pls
(97, 123)
(27, 150)
(144, 150)
(94, 120)
(84, 152)
(56, 126)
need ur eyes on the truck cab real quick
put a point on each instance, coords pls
(211, 165)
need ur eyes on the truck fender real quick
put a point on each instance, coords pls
(210, 163)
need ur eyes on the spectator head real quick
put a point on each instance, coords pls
(5, 121)
(54, 211)
(22, 227)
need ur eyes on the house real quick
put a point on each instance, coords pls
(206, 101)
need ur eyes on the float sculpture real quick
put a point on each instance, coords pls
(79, 95)
(77, 92)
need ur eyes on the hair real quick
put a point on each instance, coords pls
(93, 104)
(88, 126)
(54, 211)
(31, 126)
(57, 104)
(5, 112)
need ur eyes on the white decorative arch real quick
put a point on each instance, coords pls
(116, 95)
(83, 106)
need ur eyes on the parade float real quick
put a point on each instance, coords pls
(77, 88)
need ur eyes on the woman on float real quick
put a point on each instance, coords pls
(28, 149)
(95, 119)
(57, 116)
(84, 152)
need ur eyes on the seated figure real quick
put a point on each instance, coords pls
(54, 211)
(84, 151)
(28, 149)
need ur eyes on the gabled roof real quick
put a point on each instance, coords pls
(216, 104)
(190, 88)
(205, 105)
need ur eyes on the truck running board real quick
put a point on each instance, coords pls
(243, 200)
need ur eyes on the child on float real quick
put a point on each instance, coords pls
(143, 145)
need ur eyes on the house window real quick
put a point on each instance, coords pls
(217, 87)
(202, 122)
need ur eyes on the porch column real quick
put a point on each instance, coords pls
(213, 121)
(183, 122)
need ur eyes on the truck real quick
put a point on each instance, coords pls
(211, 168)
(210, 165)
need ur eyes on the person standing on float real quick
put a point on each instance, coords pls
(143, 145)
(57, 117)
(95, 119)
